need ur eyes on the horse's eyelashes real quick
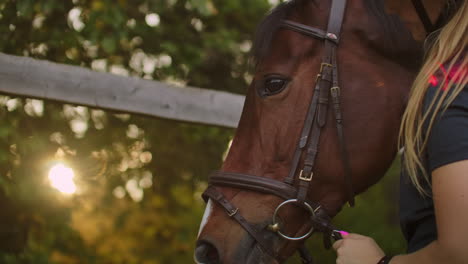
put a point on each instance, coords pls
(272, 85)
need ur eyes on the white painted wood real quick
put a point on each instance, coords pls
(22, 76)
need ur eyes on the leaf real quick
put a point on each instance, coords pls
(109, 45)
(5, 131)
(205, 7)
(25, 8)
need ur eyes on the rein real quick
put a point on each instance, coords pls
(295, 187)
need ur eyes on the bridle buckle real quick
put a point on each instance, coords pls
(335, 91)
(233, 212)
(319, 76)
(274, 227)
(323, 65)
(306, 176)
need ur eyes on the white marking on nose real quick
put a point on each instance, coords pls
(206, 215)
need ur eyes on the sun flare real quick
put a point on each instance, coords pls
(61, 178)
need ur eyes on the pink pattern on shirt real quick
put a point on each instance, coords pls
(455, 75)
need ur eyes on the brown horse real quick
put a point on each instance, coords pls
(377, 59)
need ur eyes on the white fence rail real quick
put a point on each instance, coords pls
(22, 76)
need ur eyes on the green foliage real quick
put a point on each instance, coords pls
(139, 179)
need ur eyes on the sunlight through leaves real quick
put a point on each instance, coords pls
(61, 178)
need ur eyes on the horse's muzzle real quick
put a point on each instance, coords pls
(206, 253)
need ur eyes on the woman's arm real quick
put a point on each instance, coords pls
(450, 194)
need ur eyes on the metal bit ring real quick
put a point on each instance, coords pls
(275, 226)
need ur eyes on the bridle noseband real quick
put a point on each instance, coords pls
(295, 187)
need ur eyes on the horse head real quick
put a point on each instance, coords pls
(366, 68)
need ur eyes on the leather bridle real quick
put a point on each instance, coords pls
(424, 17)
(441, 20)
(295, 187)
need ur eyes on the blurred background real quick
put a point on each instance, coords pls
(82, 185)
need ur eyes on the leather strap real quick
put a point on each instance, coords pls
(234, 213)
(423, 16)
(336, 18)
(256, 184)
(335, 94)
(328, 75)
(253, 183)
(304, 138)
(385, 260)
(306, 258)
(308, 31)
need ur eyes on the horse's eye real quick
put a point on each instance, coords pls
(273, 85)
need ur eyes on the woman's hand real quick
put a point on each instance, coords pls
(357, 249)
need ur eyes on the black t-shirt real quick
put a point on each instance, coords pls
(447, 143)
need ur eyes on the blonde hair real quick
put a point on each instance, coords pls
(448, 49)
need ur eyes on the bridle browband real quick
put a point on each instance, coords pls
(295, 187)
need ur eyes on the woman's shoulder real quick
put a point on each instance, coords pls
(446, 81)
(448, 136)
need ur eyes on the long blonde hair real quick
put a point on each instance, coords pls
(448, 49)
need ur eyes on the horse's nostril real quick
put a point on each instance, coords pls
(206, 253)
